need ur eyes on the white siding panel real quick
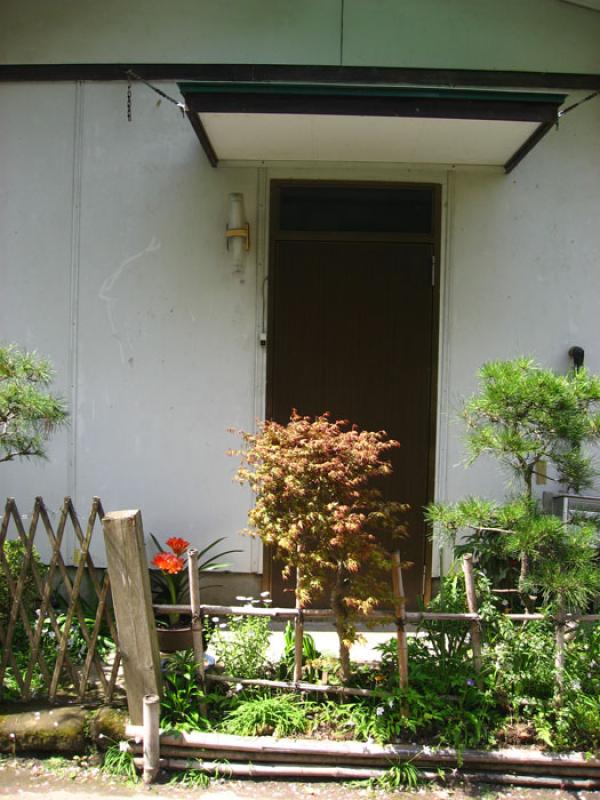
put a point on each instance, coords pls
(524, 271)
(166, 347)
(36, 185)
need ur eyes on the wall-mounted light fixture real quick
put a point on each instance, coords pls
(238, 230)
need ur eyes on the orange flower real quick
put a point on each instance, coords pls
(168, 563)
(177, 545)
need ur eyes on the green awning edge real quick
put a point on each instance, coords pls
(222, 87)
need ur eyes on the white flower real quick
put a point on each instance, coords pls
(380, 711)
(265, 594)
(238, 687)
(124, 747)
(215, 619)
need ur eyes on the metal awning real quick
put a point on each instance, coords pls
(269, 121)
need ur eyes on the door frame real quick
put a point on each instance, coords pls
(434, 239)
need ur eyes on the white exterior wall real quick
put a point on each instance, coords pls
(523, 271)
(113, 260)
(114, 266)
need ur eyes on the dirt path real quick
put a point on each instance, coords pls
(80, 779)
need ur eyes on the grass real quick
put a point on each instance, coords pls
(118, 763)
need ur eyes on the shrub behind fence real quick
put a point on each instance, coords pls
(57, 630)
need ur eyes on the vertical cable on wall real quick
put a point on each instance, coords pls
(74, 283)
(342, 32)
(260, 361)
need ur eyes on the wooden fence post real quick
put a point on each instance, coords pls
(400, 607)
(132, 601)
(472, 606)
(298, 633)
(559, 653)
(151, 742)
(197, 641)
(197, 622)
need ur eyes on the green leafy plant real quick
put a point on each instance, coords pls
(28, 412)
(14, 552)
(241, 645)
(524, 415)
(266, 715)
(399, 776)
(310, 655)
(118, 762)
(183, 702)
(191, 778)
(320, 507)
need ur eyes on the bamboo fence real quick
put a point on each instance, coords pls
(300, 616)
(304, 758)
(48, 668)
(264, 756)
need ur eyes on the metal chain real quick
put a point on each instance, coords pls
(129, 101)
(181, 106)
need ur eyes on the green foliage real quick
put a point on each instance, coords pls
(118, 762)
(310, 655)
(14, 552)
(521, 663)
(524, 414)
(562, 558)
(183, 700)
(318, 508)
(521, 658)
(241, 645)
(564, 569)
(399, 776)
(28, 413)
(263, 715)
(191, 778)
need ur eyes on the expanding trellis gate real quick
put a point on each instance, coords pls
(53, 618)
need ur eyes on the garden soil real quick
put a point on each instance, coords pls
(79, 779)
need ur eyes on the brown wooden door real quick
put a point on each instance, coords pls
(352, 332)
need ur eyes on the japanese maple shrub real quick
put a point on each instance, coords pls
(318, 508)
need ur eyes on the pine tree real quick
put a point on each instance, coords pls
(28, 412)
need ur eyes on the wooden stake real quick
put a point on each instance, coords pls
(198, 643)
(559, 656)
(400, 608)
(132, 600)
(298, 633)
(472, 606)
(197, 640)
(151, 725)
